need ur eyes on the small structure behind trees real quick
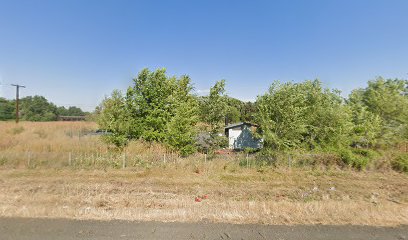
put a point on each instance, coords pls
(241, 136)
(290, 117)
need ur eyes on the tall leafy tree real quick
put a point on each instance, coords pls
(37, 108)
(293, 115)
(216, 107)
(157, 108)
(7, 109)
(281, 116)
(233, 111)
(71, 111)
(150, 103)
(114, 118)
(248, 111)
(381, 111)
(367, 125)
(181, 131)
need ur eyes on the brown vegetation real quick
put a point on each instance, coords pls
(94, 186)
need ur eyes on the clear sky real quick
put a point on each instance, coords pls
(76, 52)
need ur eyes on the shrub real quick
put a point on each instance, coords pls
(358, 161)
(400, 163)
(266, 157)
(3, 161)
(366, 153)
(325, 159)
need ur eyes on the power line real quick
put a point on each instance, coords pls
(17, 96)
(4, 84)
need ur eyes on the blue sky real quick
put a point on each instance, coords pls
(76, 52)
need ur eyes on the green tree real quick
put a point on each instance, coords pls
(75, 111)
(157, 108)
(62, 111)
(248, 111)
(216, 107)
(381, 110)
(181, 130)
(37, 108)
(114, 118)
(236, 110)
(7, 109)
(295, 115)
(150, 104)
(233, 113)
(367, 125)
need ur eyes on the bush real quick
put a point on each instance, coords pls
(266, 157)
(366, 153)
(323, 159)
(400, 163)
(358, 161)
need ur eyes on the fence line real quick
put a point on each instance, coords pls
(123, 160)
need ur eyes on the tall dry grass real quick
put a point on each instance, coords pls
(38, 180)
(59, 144)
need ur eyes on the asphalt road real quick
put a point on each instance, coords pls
(43, 229)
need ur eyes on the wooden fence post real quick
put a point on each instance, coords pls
(124, 161)
(289, 161)
(69, 158)
(247, 160)
(29, 159)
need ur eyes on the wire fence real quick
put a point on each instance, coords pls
(125, 160)
(33, 159)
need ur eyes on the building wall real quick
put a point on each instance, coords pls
(241, 138)
(232, 136)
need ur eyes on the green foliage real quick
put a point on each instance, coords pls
(380, 112)
(236, 110)
(356, 158)
(294, 115)
(157, 108)
(400, 163)
(71, 111)
(150, 103)
(181, 131)
(216, 107)
(232, 114)
(214, 110)
(37, 108)
(248, 111)
(115, 119)
(7, 109)
(367, 125)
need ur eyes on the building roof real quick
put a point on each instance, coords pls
(233, 125)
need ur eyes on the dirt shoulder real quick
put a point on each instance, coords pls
(36, 229)
(277, 197)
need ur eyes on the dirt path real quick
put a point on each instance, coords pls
(43, 229)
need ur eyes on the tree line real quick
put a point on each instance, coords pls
(291, 116)
(36, 108)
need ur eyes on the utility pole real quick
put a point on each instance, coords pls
(17, 98)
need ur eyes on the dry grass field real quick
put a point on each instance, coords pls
(39, 179)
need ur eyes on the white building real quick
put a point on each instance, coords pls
(240, 136)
